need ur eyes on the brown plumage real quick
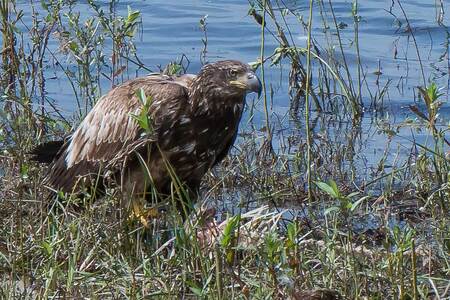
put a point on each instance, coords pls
(194, 119)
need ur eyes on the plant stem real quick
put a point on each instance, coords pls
(308, 80)
(263, 81)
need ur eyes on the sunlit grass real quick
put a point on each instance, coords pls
(384, 238)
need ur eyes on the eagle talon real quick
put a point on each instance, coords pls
(143, 214)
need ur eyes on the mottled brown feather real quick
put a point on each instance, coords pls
(109, 128)
(195, 120)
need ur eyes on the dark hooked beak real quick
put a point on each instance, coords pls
(253, 84)
(248, 82)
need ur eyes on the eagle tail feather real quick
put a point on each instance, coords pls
(46, 152)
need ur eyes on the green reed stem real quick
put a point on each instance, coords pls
(414, 40)
(356, 110)
(263, 81)
(414, 269)
(308, 80)
(358, 54)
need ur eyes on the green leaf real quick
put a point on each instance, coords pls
(347, 204)
(197, 291)
(24, 171)
(143, 118)
(142, 121)
(331, 188)
(357, 203)
(228, 231)
(195, 288)
(333, 184)
(130, 23)
(141, 96)
(352, 194)
(272, 245)
(44, 5)
(331, 209)
(46, 247)
(292, 232)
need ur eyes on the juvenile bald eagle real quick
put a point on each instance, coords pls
(194, 122)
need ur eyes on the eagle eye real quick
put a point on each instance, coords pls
(233, 73)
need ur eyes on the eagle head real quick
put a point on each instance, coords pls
(229, 78)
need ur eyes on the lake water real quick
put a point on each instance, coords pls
(170, 29)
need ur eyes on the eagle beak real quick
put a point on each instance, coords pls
(248, 82)
(253, 84)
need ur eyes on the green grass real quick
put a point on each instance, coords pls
(281, 239)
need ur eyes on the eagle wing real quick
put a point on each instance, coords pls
(109, 127)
